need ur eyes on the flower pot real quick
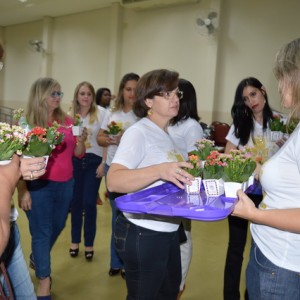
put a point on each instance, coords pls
(213, 187)
(276, 135)
(194, 188)
(231, 188)
(77, 130)
(46, 157)
(5, 162)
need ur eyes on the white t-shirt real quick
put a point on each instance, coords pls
(280, 178)
(122, 118)
(145, 144)
(263, 146)
(91, 143)
(185, 134)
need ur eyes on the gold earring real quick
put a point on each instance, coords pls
(150, 112)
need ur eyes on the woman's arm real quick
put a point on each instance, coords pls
(283, 219)
(123, 180)
(80, 146)
(229, 146)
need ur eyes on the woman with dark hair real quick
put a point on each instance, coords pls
(146, 157)
(185, 130)
(122, 114)
(103, 97)
(251, 115)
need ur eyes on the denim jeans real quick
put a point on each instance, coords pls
(115, 260)
(17, 269)
(266, 281)
(151, 260)
(85, 198)
(238, 229)
(50, 206)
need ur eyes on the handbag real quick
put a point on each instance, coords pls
(8, 284)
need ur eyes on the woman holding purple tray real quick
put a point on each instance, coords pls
(149, 244)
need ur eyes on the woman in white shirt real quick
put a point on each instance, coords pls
(146, 157)
(274, 266)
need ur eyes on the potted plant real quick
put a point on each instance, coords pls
(41, 141)
(77, 126)
(276, 126)
(12, 140)
(113, 129)
(237, 172)
(204, 147)
(212, 174)
(194, 188)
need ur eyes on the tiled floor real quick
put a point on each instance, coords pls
(77, 279)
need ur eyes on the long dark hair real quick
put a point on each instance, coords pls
(242, 115)
(188, 104)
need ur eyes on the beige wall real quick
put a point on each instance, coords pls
(102, 45)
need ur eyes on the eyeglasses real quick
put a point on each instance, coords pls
(1, 65)
(56, 94)
(169, 95)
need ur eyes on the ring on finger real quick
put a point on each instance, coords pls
(178, 171)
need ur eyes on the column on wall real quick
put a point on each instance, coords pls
(115, 43)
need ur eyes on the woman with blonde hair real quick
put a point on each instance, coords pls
(87, 171)
(47, 200)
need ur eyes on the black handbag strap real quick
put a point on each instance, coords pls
(7, 281)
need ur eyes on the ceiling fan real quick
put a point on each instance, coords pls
(208, 23)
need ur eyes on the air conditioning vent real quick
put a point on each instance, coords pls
(148, 4)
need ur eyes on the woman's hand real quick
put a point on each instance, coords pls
(175, 173)
(245, 207)
(24, 199)
(33, 167)
(82, 138)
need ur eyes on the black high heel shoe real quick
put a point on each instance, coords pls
(74, 252)
(113, 272)
(89, 255)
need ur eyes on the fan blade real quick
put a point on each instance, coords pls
(210, 28)
(200, 22)
(212, 15)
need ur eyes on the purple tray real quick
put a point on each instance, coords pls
(168, 200)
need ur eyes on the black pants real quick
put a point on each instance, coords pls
(238, 229)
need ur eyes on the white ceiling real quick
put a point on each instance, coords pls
(17, 11)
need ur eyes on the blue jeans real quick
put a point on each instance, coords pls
(151, 260)
(85, 198)
(47, 218)
(115, 260)
(266, 281)
(17, 269)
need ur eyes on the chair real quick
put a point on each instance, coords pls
(219, 133)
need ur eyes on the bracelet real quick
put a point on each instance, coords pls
(103, 162)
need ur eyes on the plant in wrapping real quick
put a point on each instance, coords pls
(238, 166)
(196, 171)
(204, 147)
(291, 125)
(41, 141)
(214, 166)
(113, 128)
(12, 140)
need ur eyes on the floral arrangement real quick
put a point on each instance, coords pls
(214, 166)
(238, 165)
(12, 140)
(113, 128)
(204, 147)
(196, 171)
(77, 120)
(41, 141)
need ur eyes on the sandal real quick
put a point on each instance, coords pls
(89, 255)
(74, 252)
